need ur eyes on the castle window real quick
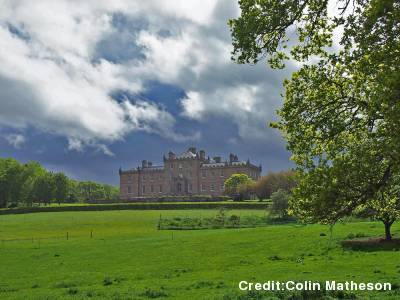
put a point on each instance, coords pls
(144, 189)
(129, 189)
(204, 174)
(180, 166)
(161, 176)
(212, 187)
(152, 176)
(203, 187)
(212, 173)
(171, 166)
(160, 188)
(130, 178)
(190, 187)
(152, 189)
(222, 173)
(222, 186)
(144, 177)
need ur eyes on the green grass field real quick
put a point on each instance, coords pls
(128, 258)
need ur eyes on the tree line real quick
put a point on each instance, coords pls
(30, 183)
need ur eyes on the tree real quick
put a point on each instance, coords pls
(31, 171)
(280, 203)
(233, 184)
(272, 182)
(10, 181)
(91, 191)
(60, 187)
(246, 190)
(341, 114)
(386, 208)
(44, 189)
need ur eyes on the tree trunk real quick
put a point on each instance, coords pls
(388, 235)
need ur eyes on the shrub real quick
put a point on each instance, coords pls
(234, 220)
(272, 182)
(280, 203)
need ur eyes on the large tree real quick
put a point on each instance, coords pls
(341, 112)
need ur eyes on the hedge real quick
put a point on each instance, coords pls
(159, 199)
(136, 206)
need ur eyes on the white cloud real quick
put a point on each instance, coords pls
(51, 78)
(16, 140)
(247, 105)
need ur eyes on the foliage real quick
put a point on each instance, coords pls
(341, 114)
(26, 184)
(237, 186)
(280, 203)
(385, 208)
(266, 185)
(221, 220)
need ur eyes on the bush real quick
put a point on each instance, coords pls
(272, 182)
(280, 203)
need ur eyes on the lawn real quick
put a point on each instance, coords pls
(128, 258)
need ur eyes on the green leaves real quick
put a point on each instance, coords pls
(341, 113)
(30, 183)
(264, 28)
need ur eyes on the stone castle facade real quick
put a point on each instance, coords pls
(190, 173)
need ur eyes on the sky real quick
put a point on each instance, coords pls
(87, 87)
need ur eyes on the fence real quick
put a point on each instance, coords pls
(37, 240)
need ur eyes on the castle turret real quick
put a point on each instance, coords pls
(192, 149)
(171, 155)
(144, 163)
(202, 154)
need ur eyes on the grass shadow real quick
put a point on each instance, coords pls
(372, 244)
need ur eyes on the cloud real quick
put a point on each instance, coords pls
(15, 140)
(196, 57)
(50, 80)
(64, 59)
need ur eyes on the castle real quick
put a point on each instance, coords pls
(190, 173)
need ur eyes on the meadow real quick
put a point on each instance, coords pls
(122, 255)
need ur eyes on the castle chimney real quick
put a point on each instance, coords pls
(144, 163)
(171, 155)
(192, 149)
(202, 154)
(231, 157)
